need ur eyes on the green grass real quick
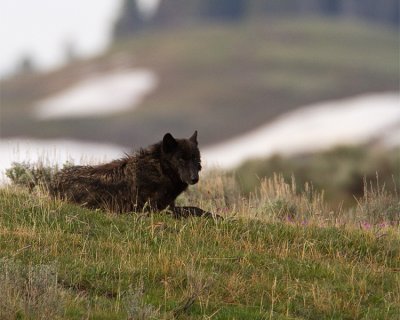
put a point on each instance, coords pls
(256, 264)
(212, 74)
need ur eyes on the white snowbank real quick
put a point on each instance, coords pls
(99, 95)
(54, 152)
(316, 127)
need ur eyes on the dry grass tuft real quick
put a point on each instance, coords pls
(29, 292)
(378, 205)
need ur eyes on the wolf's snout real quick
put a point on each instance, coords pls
(194, 179)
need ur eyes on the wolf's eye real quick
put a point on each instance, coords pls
(185, 158)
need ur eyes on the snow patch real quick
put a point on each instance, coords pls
(316, 127)
(99, 95)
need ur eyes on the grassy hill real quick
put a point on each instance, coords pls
(220, 79)
(279, 254)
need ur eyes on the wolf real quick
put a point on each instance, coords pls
(149, 180)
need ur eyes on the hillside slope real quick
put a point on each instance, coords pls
(220, 79)
(279, 255)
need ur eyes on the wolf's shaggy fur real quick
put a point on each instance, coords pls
(150, 179)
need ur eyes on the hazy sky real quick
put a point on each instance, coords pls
(41, 29)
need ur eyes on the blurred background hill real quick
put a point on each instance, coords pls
(223, 67)
(216, 62)
(178, 12)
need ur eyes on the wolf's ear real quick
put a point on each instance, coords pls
(193, 138)
(169, 143)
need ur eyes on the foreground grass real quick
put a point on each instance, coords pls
(62, 261)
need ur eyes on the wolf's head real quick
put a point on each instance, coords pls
(183, 156)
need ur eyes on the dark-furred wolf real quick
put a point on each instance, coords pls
(149, 180)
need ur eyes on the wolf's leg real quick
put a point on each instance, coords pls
(192, 211)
